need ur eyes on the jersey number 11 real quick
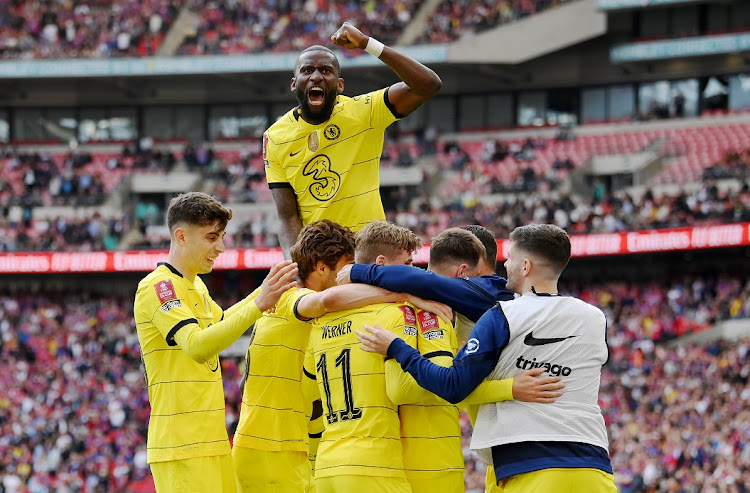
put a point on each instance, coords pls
(349, 412)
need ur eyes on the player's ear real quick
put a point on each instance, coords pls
(293, 84)
(321, 267)
(461, 270)
(340, 87)
(526, 267)
(380, 260)
(179, 235)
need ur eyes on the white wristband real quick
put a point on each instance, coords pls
(374, 47)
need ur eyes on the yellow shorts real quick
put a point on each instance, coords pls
(453, 482)
(265, 471)
(560, 481)
(213, 474)
(353, 484)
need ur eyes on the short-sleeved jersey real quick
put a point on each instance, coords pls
(430, 430)
(361, 435)
(274, 415)
(187, 398)
(334, 167)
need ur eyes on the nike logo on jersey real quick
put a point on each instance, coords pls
(530, 340)
(292, 154)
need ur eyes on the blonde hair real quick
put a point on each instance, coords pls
(383, 238)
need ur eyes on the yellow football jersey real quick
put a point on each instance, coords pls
(361, 436)
(430, 430)
(274, 415)
(187, 398)
(333, 167)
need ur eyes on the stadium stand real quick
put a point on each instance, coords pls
(97, 29)
(453, 19)
(251, 26)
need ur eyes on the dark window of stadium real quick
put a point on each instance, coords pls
(562, 106)
(665, 99)
(253, 120)
(159, 122)
(531, 108)
(500, 111)
(442, 114)
(4, 127)
(107, 124)
(223, 122)
(471, 112)
(620, 102)
(739, 92)
(190, 122)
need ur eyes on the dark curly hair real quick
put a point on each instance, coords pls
(323, 240)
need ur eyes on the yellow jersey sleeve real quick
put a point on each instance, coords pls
(173, 310)
(238, 306)
(274, 168)
(490, 391)
(382, 113)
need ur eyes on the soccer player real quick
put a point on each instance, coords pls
(561, 447)
(181, 331)
(271, 442)
(322, 157)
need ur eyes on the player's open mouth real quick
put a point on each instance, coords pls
(316, 96)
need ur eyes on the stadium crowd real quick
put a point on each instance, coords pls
(249, 26)
(92, 29)
(100, 29)
(456, 18)
(76, 408)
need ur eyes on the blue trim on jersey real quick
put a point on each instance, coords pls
(522, 457)
(471, 365)
(469, 296)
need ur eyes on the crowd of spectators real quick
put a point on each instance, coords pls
(456, 18)
(99, 29)
(618, 211)
(75, 411)
(251, 26)
(734, 164)
(92, 29)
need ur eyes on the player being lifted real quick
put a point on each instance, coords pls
(181, 331)
(322, 157)
(271, 442)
